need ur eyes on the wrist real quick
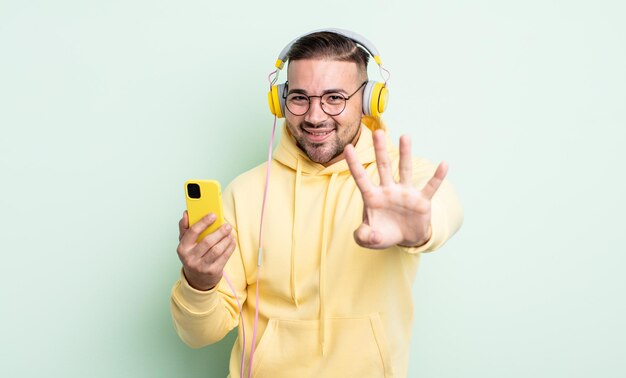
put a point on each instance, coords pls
(197, 283)
(418, 243)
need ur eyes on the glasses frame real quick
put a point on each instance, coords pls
(285, 95)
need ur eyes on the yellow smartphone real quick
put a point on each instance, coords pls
(203, 197)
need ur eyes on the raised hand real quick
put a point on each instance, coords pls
(204, 260)
(394, 213)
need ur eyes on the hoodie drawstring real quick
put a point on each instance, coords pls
(294, 228)
(325, 231)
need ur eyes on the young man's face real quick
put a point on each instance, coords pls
(321, 136)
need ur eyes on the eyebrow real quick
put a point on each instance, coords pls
(332, 90)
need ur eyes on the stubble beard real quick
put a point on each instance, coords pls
(322, 153)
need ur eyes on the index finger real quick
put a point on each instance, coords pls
(358, 172)
(191, 234)
(183, 225)
(382, 158)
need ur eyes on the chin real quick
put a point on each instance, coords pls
(322, 155)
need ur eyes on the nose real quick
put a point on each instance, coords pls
(315, 114)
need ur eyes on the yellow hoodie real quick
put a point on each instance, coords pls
(327, 307)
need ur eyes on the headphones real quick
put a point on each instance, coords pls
(375, 94)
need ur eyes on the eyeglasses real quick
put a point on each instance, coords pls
(333, 103)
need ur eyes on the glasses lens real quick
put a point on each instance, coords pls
(333, 103)
(297, 103)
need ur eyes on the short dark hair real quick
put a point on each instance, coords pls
(329, 45)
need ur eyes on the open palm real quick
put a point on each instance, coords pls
(394, 213)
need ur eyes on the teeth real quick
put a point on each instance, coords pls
(319, 134)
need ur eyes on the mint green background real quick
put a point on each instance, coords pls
(107, 107)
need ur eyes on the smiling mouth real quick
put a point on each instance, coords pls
(318, 133)
(317, 136)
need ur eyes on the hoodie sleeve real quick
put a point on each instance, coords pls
(446, 211)
(205, 317)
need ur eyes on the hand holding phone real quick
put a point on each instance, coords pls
(206, 242)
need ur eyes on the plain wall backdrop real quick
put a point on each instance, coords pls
(107, 107)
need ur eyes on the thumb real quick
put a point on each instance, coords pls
(367, 237)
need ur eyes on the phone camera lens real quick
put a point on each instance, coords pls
(193, 191)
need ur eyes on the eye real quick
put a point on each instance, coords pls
(297, 98)
(334, 98)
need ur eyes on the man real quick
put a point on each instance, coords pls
(347, 218)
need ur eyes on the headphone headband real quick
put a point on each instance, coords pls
(357, 38)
